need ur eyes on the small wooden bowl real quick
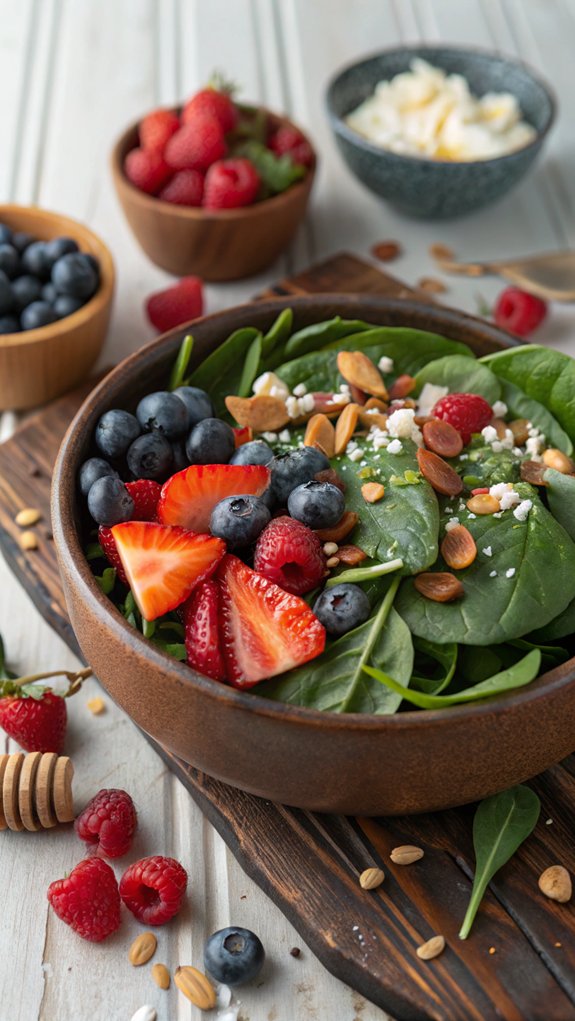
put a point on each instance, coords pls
(225, 245)
(37, 365)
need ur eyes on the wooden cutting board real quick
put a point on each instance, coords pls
(518, 964)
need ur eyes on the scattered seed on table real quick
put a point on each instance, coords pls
(386, 251)
(370, 879)
(97, 706)
(28, 516)
(295, 951)
(28, 541)
(432, 285)
(440, 252)
(431, 948)
(492, 950)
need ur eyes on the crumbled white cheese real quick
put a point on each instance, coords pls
(470, 515)
(292, 407)
(341, 398)
(429, 396)
(284, 436)
(401, 424)
(307, 402)
(452, 523)
(356, 455)
(533, 447)
(270, 437)
(344, 388)
(464, 457)
(510, 572)
(263, 386)
(499, 409)
(493, 574)
(521, 512)
(299, 390)
(488, 551)
(395, 447)
(385, 364)
(489, 434)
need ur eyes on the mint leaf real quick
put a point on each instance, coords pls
(277, 172)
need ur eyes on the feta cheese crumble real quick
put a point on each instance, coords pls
(299, 390)
(493, 574)
(452, 523)
(487, 551)
(510, 572)
(385, 364)
(270, 385)
(401, 425)
(521, 512)
(499, 409)
(429, 396)
(284, 436)
(395, 447)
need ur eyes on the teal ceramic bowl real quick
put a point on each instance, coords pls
(437, 189)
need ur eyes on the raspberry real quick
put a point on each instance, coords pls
(518, 312)
(291, 555)
(230, 184)
(212, 103)
(153, 889)
(88, 900)
(176, 305)
(468, 413)
(156, 128)
(196, 146)
(108, 822)
(288, 141)
(146, 169)
(185, 189)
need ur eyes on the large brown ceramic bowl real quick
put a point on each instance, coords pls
(410, 762)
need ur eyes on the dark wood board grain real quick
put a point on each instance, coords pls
(519, 963)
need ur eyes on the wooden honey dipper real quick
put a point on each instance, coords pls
(36, 790)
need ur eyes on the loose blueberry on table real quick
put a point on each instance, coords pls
(337, 545)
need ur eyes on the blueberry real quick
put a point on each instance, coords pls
(49, 292)
(179, 455)
(37, 314)
(5, 234)
(316, 504)
(25, 290)
(342, 608)
(255, 452)
(73, 274)
(109, 502)
(9, 324)
(9, 260)
(197, 402)
(115, 431)
(234, 956)
(165, 412)
(239, 519)
(65, 304)
(92, 469)
(150, 457)
(59, 247)
(211, 441)
(21, 240)
(35, 260)
(92, 261)
(6, 297)
(294, 468)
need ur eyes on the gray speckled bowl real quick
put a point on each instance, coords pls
(438, 189)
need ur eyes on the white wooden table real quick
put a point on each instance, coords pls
(72, 74)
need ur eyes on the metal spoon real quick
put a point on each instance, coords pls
(550, 276)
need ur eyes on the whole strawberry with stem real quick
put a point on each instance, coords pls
(35, 716)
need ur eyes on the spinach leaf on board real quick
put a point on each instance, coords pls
(278, 333)
(519, 405)
(250, 369)
(534, 579)
(405, 523)
(500, 826)
(461, 374)
(429, 656)
(517, 676)
(336, 681)
(542, 373)
(221, 372)
(561, 498)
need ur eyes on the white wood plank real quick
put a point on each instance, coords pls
(16, 25)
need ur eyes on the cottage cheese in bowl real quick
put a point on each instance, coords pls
(428, 113)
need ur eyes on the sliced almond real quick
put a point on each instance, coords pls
(555, 883)
(406, 854)
(372, 492)
(330, 475)
(369, 419)
(375, 402)
(323, 401)
(28, 516)
(358, 370)
(386, 251)
(401, 402)
(439, 586)
(483, 503)
(161, 976)
(431, 285)
(403, 386)
(351, 555)
(196, 987)
(370, 879)
(442, 438)
(533, 472)
(458, 548)
(357, 395)
(520, 429)
(556, 459)
(431, 948)
(441, 252)
(142, 949)
(261, 413)
(336, 533)
(321, 433)
(345, 427)
(438, 473)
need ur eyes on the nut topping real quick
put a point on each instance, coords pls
(442, 438)
(439, 586)
(262, 413)
(458, 548)
(438, 473)
(358, 370)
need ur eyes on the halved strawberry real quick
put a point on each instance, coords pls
(163, 565)
(264, 629)
(189, 497)
(145, 493)
(110, 551)
(202, 637)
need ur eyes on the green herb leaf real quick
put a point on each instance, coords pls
(277, 173)
(148, 628)
(177, 375)
(221, 372)
(107, 580)
(501, 824)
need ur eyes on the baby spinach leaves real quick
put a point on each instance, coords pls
(519, 405)
(434, 665)
(317, 335)
(561, 498)
(542, 373)
(278, 333)
(500, 826)
(222, 372)
(461, 374)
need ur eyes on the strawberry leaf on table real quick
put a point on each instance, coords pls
(277, 173)
(461, 374)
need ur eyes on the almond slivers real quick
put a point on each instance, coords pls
(358, 370)
(261, 413)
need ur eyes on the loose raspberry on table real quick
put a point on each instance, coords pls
(153, 889)
(88, 900)
(108, 823)
(231, 184)
(175, 305)
(468, 413)
(519, 312)
(291, 555)
(156, 128)
(196, 146)
(147, 170)
(185, 189)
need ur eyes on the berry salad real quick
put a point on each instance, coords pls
(216, 153)
(350, 517)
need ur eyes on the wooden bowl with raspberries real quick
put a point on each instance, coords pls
(214, 188)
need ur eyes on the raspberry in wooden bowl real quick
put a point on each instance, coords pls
(213, 189)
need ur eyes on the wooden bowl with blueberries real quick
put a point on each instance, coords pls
(56, 291)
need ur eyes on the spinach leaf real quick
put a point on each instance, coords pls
(106, 580)
(317, 335)
(561, 498)
(519, 405)
(250, 369)
(429, 655)
(517, 676)
(221, 372)
(551, 655)
(405, 523)
(500, 826)
(277, 173)
(483, 467)
(562, 626)
(357, 575)
(336, 681)
(542, 373)
(461, 374)
(177, 375)
(534, 580)
(278, 333)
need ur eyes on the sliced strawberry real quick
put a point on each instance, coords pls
(189, 497)
(264, 629)
(163, 565)
(108, 544)
(243, 434)
(202, 637)
(145, 493)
